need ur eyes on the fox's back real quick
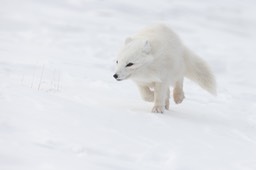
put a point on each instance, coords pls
(167, 51)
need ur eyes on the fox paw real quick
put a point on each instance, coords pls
(178, 97)
(158, 109)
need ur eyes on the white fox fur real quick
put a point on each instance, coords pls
(155, 59)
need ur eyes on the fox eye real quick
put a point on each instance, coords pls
(129, 64)
(116, 61)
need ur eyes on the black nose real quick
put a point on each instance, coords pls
(115, 76)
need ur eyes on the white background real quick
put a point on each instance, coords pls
(61, 109)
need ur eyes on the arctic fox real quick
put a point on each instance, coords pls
(156, 59)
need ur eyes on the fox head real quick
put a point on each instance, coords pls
(135, 55)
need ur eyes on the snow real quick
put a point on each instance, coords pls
(61, 109)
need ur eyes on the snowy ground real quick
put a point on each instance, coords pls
(60, 108)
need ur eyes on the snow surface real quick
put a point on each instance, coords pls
(61, 109)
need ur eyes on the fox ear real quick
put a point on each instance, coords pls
(128, 40)
(147, 47)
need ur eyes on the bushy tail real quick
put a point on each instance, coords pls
(198, 71)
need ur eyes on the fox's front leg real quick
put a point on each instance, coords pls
(160, 96)
(146, 93)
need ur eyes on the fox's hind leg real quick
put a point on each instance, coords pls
(167, 102)
(178, 94)
(146, 93)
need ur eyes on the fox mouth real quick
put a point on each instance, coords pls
(121, 78)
